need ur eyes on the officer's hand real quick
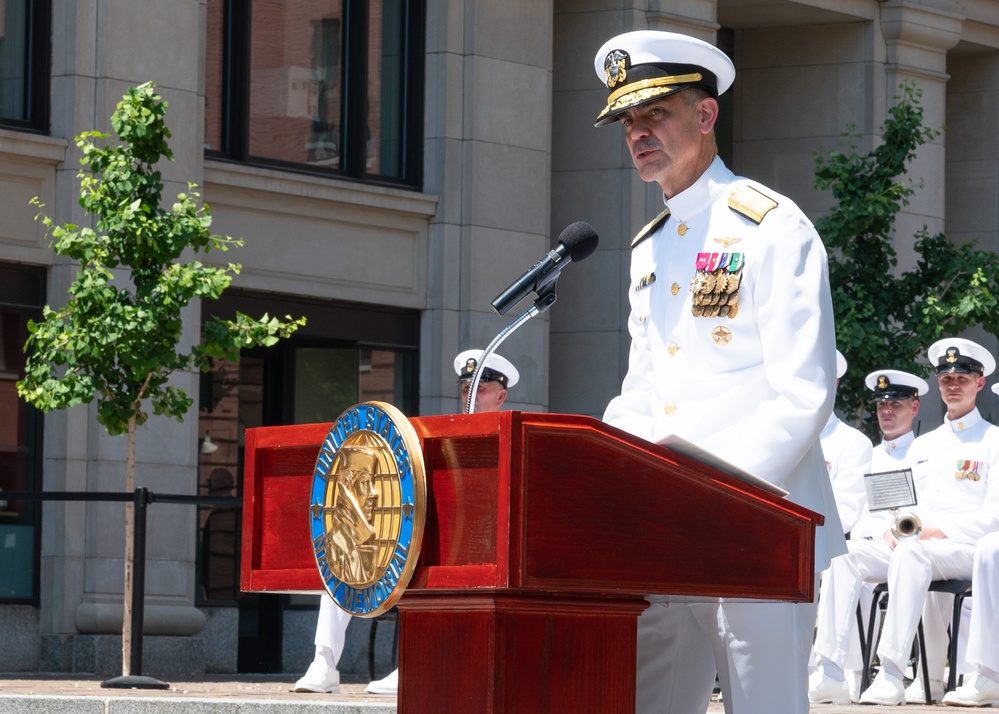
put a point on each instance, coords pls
(890, 539)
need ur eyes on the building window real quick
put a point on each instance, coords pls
(22, 295)
(24, 64)
(326, 86)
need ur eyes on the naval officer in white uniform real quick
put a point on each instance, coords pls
(896, 398)
(982, 690)
(958, 502)
(733, 349)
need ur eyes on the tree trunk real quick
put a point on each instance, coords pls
(126, 624)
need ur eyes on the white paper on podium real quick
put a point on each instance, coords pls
(695, 452)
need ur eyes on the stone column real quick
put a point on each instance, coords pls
(917, 36)
(488, 154)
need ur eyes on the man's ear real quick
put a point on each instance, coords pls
(501, 397)
(915, 407)
(707, 110)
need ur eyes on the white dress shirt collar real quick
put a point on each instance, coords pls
(691, 201)
(963, 423)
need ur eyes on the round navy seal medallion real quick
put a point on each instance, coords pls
(367, 508)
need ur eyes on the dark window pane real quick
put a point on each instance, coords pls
(295, 81)
(331, 85)
(386, 88)
(214, 90)
(14, 60)
(20, 437)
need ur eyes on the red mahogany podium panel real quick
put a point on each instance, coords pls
(543, 534)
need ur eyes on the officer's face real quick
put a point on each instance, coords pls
(671, 141)
(895, 416)
(958, 391)
(489, 397)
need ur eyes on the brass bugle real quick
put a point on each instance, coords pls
(906, 526)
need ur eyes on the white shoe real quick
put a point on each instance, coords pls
(982, 692)
(388, 685)
(320, 678)
(914, 692)
(885, 689)
(826, 690)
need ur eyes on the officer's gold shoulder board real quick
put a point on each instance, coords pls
(650, 228)
(751, 203)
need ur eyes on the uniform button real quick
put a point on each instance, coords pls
(673, 349)
(682, 229)
(641, 318)
(669, 408)
(674, 288)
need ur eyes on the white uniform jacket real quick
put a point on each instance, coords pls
(889, 455)
(955, 469)
(755, 389)
(848, 455)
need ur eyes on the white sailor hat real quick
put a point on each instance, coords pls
(995, 388)
(840, 365)
(956, 354)
(646, 65)
(895, 384)
(497, 369)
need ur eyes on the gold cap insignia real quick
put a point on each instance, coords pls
(470, 365)
(883, 382)
(616, 67)
(952, 354)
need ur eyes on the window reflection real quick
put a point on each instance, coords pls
(17, 517)
(335, 85)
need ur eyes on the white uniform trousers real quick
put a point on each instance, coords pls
(908, 570)
(854, 660)
(914, 564)
(983, 645)
(865, 562)
(681, 647)
(331, 628)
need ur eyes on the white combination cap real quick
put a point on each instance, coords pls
(956, 354)
(647, 65)
(497, 368)
(895, 384)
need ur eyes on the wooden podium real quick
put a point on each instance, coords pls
(544, 533)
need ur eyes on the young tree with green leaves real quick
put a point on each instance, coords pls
(885, 319)
(117, 337)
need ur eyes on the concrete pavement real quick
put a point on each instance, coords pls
(242, 694)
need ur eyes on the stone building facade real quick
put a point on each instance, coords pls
(390, 204)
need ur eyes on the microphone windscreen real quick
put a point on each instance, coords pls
(580, 240)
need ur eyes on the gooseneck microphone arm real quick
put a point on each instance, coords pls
(497, 341)
(577, 242)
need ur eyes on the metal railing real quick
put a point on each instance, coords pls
(141, 498)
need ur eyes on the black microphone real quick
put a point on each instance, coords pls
(577, 241)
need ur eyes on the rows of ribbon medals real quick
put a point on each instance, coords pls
(715, 286)
(968, 470)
